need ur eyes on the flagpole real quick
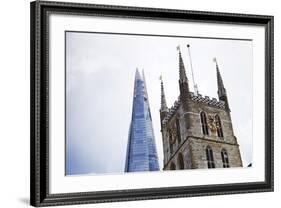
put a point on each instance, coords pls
(194, 84)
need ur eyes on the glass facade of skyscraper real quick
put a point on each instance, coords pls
(141, 149)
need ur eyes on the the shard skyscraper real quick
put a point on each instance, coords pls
(141, 149)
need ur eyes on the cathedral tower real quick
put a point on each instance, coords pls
(197, 131)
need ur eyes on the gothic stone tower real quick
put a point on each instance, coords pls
(197, 131)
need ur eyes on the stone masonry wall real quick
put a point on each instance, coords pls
(193, 143)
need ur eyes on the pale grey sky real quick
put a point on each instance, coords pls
(100, 72)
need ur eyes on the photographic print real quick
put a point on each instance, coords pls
(141, 102)
(134, 103)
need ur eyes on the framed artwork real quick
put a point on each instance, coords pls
(131, 103)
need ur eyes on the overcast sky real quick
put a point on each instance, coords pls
(100, 72)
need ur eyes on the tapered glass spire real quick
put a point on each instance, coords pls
(141, 148)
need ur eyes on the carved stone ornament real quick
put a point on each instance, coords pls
(172, 135)
(212, 123)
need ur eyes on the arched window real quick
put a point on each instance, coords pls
(219, 127)
(224, 158)
(204, 123)
(172, 166)
(178, 130)
(180, 161)
(171, 141)
(210, 157)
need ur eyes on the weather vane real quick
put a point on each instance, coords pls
(215, 60)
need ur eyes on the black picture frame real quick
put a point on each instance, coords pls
(39, 145)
